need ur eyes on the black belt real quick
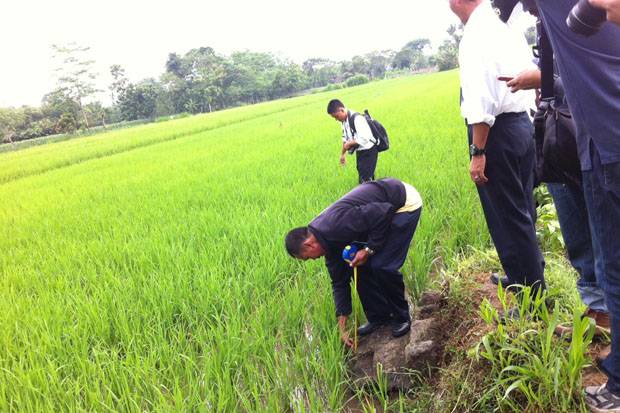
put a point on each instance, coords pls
(509, 115)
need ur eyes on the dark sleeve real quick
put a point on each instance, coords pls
(340, 275)
(374, 218)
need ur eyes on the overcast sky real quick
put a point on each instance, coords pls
(139, 34)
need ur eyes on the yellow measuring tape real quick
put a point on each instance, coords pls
(346, 255)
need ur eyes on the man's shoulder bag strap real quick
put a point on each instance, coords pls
(351, 120)
(546, 64)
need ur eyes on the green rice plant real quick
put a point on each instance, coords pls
(376, 397)
(532, 369)
(143, 269)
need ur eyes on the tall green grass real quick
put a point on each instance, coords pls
(532, 368)
(143, 269)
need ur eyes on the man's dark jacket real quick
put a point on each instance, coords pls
(363, 215)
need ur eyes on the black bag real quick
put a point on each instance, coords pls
(557, 158)
(382, 142)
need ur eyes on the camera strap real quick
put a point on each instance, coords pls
(545, 54)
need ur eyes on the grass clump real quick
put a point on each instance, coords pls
(533, 369)
(520, 365)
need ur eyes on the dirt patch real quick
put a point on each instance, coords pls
(435, 327)
(420, 350)
(471, 328)
(592, 376)
(485, 289)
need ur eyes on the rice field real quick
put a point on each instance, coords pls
(143, 269)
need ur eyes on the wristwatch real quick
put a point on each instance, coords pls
(369, 251)
(476, 151)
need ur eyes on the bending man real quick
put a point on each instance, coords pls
(383, 215)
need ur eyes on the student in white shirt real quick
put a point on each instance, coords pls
(500, 136)
(361, 141)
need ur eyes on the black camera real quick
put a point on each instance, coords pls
(586, 19)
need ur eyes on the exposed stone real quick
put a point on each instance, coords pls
(418, 350)
(427, 310)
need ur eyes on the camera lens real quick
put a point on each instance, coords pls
(585, 19)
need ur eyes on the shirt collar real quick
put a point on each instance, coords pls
(319, 237)
(481, 12)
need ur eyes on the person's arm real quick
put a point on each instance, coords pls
(345, 147)
(351, 143)
(373, 218)
(341, 277)
(479, 80)
(376, 219)
(612, 7)
(344, 334)
(478, 163)
(526, 80)
(479, 87)
(346, 144)
(479, 109)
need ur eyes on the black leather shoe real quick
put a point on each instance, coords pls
(368, 328)
(400, 329)
(496, 278)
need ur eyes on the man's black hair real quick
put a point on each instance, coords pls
(294, 241)
(505, 8)
(334, 105)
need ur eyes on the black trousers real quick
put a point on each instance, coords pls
(380, 283)
(366, 164)
(507, 198)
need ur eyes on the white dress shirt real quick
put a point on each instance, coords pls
(489, 49)
(363, 137)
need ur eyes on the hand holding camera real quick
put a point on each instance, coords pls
(612, 7)
(585, 19)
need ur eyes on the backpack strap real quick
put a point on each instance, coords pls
(351, 120)
(368, 119)
(373, 128)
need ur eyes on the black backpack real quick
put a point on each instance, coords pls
(382, 142)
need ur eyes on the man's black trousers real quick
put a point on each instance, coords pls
(380, 283)
(507, 198)
(366, 164)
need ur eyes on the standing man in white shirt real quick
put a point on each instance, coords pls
(358, 140)
(501, 137)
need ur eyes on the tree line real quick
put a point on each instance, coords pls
(203, 80)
